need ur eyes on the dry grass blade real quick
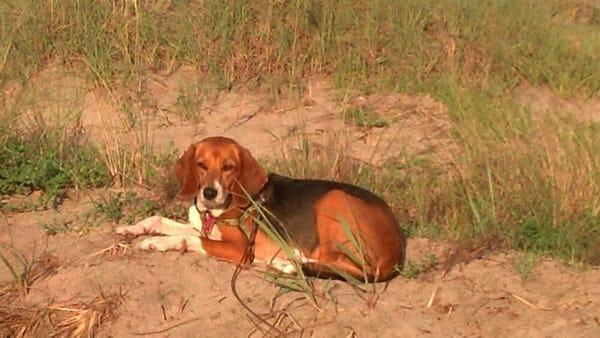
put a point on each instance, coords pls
(528, 303)
(77, 319)
(32, 271)
(118, 249)
(432, 298)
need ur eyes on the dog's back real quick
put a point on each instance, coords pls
(292, 208)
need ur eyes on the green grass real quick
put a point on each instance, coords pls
(48, 159)
(371, 45)
(126, 208)
(364, 116)
(526, 181)
(524, 264)
(56, 226)
(414, 269)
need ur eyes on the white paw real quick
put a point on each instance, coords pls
(162, 243)
(289, 269)
(282, 265)
(148, 226)
(133, 230)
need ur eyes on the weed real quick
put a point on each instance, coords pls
(364, 116)
(414, 269)
(57, 226)
(189, 104)
(124, 207)
(50, 160)
(30, 271)
(524, 264)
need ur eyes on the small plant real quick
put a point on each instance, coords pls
(364, 116)
(189, 105)
(128, 207)
(31, 270)
(413, 270)
(57, 226)
(524, 264)
(123, 207)
(297, 281)
(47, 160)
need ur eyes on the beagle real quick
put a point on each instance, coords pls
(333, 228)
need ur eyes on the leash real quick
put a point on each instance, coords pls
(248, 257)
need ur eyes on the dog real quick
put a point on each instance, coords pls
(333, 229)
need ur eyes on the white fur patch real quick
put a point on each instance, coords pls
(283, 264)
(195, 220)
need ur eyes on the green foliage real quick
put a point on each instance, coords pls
(372, 45)
(525, 186)
(45, 160)
(413, 270)
(56, 226)
(524, 264)
(124, 207)
(364, 116)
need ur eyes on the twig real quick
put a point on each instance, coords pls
(167, 328)
(245, 118)
(526, 302)
(164, 312)
(433, 294)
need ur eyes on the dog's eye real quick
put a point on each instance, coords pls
(202, 166)
(227, 167)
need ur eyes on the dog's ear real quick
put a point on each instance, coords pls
(186, 174)
(253, 176)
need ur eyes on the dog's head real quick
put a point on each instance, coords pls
(218, 173)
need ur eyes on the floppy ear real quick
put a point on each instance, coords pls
(185, 174)
(252, 175)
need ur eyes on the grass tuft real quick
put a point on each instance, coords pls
(364, 116)
(74, 319)
(49, 159)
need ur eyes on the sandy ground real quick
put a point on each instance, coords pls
(188, 295)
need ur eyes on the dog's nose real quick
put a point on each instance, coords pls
(209, 193)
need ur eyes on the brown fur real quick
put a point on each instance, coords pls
(222, 159)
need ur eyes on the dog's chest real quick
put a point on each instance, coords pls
(195, 220)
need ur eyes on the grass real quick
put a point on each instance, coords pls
(56, 226)
(376, 45)
(524, 180)
(128, 208)
(70, 319)
(524, 264)
(23, 275)
(364, 116)
(298, 281)
(48, 159)
(414, 269)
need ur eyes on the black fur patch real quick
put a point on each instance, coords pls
(292, 204)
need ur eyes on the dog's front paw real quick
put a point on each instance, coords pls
(162, 244)
(130, 230)
(283, 265)
(147, 226)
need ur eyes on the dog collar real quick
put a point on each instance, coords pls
(209, 220)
